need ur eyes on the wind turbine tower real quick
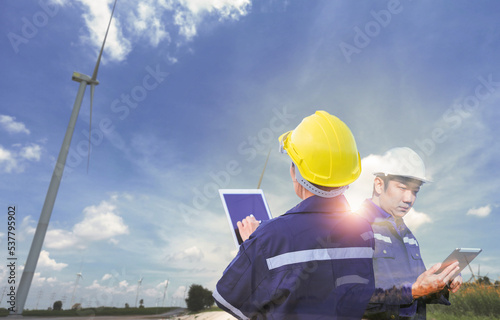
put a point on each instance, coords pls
(3, 293)
(78, 276)
(40, 294)
(164, 294)
(43, 222)
(139, 283)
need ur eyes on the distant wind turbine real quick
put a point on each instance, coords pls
(164, 293)
(185, 291)
(3, 293)
(263, 170)
(78, 276)
(43, 222)
(40, 294)
(139, 283)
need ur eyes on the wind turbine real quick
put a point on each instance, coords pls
(78, 276)
(40, 294)
(263, 170)
(139, 283)
(164, 293)
(52, 296)
(3, 293)
(473, 276)
(50, 198)
(185, 291)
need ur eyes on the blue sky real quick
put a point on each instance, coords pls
(192, 96)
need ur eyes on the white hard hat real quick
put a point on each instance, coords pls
(403, 162)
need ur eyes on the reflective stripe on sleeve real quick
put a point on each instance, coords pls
(367, 235)
(229, 306)
(318, 254)
(350, 279)
(381, 237)
(410, 241)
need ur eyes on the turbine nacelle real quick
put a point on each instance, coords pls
(80, 77)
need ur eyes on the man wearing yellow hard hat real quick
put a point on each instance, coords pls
(315, 261)
(403, 286)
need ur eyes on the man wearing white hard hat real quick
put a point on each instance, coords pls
(314, 261)
(403, 286)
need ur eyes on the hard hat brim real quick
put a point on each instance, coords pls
(423, 180)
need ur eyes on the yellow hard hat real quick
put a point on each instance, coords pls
(324, 150)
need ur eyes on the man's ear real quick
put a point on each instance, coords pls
(378, 185)
(292, 172)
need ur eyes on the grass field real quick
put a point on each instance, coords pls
(471, 302)
(86, 312)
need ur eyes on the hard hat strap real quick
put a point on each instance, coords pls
(317, 191)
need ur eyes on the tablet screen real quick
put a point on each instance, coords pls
(463, 255)
(240, 203)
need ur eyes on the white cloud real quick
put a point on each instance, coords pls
(61, 239)
(7, 160)
(480, 212)
(225, 8)
(151, 292)
(97, 18)
(107, 276)
(51, 280)
(192, 15)
(38, 279)
(95, 285)
(186, 23)
(31, 152)
(26, 225)
(415, 219)
(16, 160)
(148, 19)
(45, 261)
(179, 293)
(119, 289)
(59, 2)
(99, 223)
(12, 126)
(191, 254)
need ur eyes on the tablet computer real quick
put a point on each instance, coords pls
(240, 203)
(463, 255)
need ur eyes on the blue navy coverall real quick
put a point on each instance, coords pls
(314, 262)
(397, 264)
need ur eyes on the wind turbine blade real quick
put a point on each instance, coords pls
(263, 170)
(92, 88)
(94, 75)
